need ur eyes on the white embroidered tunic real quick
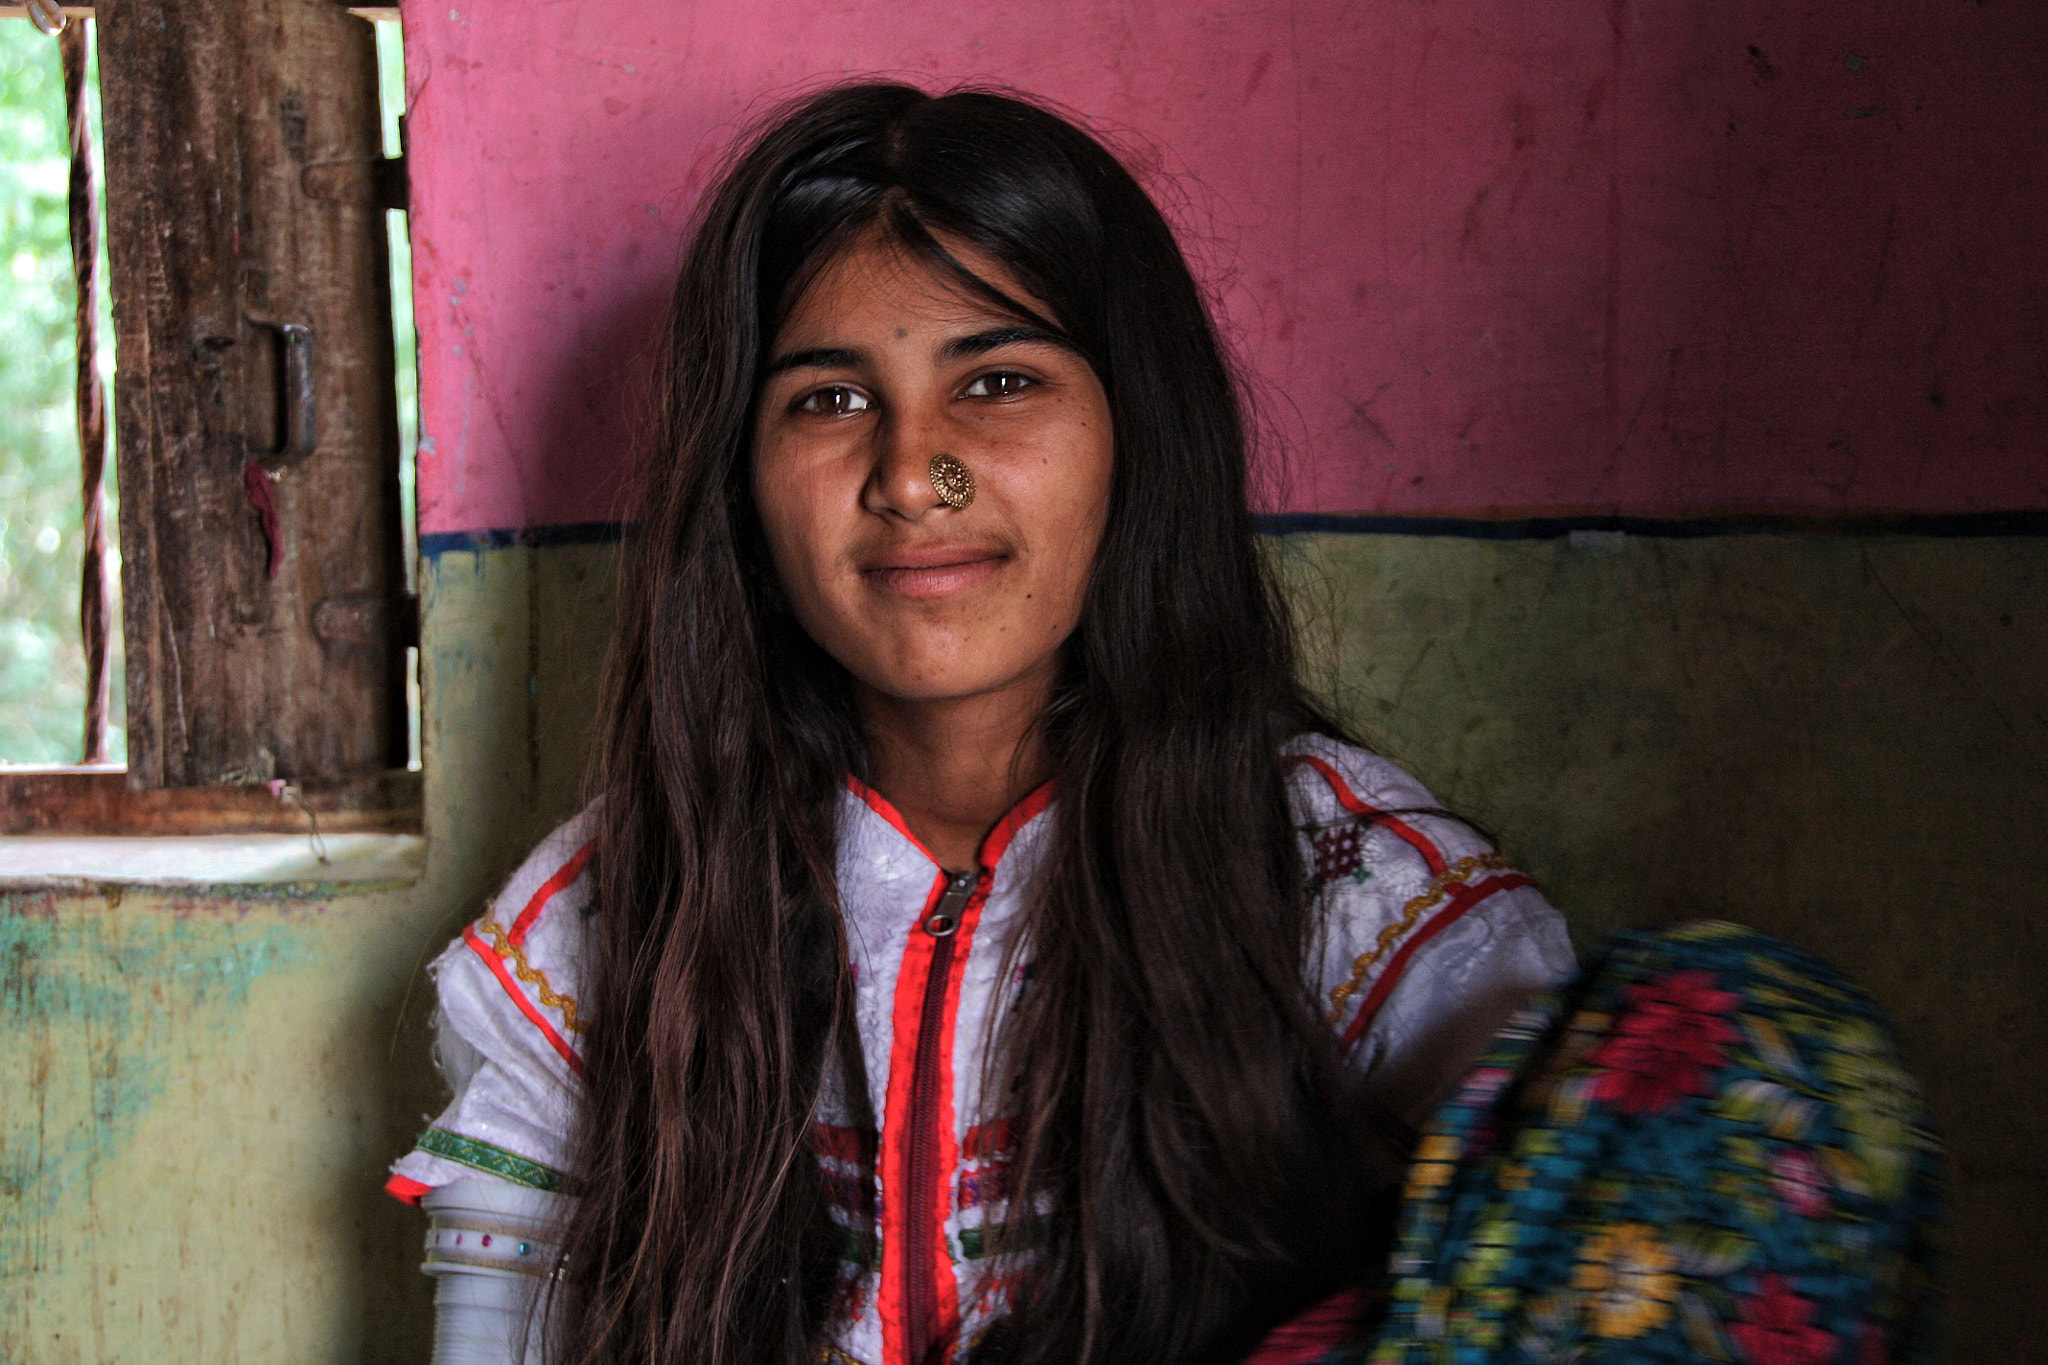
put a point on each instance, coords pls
(1428, 942)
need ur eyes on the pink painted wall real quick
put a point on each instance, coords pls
(1488, 256)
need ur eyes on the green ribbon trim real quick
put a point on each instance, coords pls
(856, 1247)
(1022, 1235)
(496, 1161)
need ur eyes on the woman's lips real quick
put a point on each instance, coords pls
(939, 571)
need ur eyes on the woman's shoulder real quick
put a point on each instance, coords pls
(1416, 907)
(1331, 772)
(512, 978)
(1340, 790)
(508, 1028)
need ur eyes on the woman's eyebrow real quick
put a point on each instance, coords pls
(817, 358)
(980, 343)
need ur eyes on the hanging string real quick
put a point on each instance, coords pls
(74, 45)
(289, 794)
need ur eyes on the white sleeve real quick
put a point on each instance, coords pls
(507, 1031)
(1429, 939)
(1455, 995)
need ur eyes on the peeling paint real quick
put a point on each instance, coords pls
(92, 1005)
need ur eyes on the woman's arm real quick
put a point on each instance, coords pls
(491, 1247)
(490, 1172)
(1429, 939)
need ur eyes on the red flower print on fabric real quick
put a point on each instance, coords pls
(1340, 851)
(1671, 1035)
(1801, 1184)
(1776, 1331)
(1482, 1084)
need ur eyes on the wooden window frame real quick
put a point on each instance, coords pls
(97, 799)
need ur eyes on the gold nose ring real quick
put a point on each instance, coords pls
(951, 481)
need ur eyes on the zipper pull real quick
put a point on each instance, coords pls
(945, 916)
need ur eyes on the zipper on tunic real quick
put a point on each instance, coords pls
(921, 1174)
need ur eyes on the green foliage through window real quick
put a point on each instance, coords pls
(42, 660)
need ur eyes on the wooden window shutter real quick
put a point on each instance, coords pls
(255, 415)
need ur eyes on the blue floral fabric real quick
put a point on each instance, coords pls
(1704, 1149)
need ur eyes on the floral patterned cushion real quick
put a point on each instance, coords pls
(1705, 1149)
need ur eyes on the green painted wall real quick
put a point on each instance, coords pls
(1837, 739)
(1840, 740)
(200, 1093)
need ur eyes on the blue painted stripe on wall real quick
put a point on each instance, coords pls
(2020, 523)
(438, 543)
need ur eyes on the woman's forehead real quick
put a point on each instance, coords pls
(878, 280)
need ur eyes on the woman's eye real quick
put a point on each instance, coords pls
(835, 401)
(1001, 384)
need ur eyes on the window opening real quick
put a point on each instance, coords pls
(44, 651)
(405, 343)
(50, 620)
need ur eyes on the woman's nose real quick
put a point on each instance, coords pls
(900, 483)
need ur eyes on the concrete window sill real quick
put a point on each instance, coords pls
(70, 862)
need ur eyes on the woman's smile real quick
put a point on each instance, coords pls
(924, 572)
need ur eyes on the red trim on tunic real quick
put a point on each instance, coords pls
(882, 806)
(1348, 799)
(1023, 813)
(983, 1178)
(564, 876)
(946, 1289)
(1313, 1332)
(526, 1007)
(992, 848)
(837, 1142)
(906, 1017)
(906, 1012)
(987, 1141)
(406, 1190)
(1464, 899)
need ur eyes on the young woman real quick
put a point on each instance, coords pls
(980, 946)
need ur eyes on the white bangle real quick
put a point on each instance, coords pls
(491, 1245)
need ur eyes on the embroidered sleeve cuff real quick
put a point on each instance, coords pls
(443, 1155)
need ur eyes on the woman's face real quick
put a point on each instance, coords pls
(882, 365)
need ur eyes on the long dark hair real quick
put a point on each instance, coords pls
(1182, 1113)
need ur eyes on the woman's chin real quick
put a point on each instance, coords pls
(956, 676)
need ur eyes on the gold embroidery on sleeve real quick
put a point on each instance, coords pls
(533, 976)
(1411, 914)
